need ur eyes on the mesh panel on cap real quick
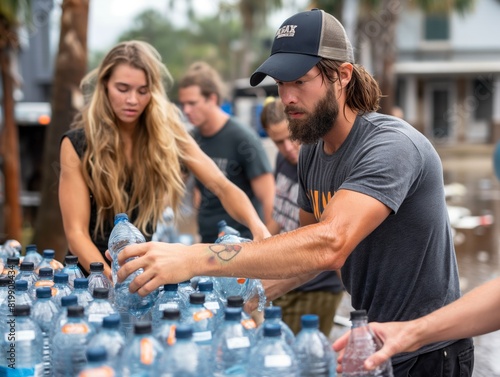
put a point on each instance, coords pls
(334, 43)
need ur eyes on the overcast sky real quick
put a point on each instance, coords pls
(109, 18)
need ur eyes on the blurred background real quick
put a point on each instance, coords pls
(437, 62)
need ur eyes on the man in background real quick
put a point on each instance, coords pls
(234, 147)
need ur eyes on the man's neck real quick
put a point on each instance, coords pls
(214, 123)
(334, 139)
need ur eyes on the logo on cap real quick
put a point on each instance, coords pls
(286, 31)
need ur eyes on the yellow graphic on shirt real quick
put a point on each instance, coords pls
(319, 202)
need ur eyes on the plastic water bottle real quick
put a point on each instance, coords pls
(212, 301)
(100, 307)
(184, 358)
(45, 279)
(202, 321)
(21, 296)
(97, 279)
(10, 248)
(49, 261)
(165, 229)
(61, 287)
(71, 268)
(272, 356)
(235, 286)
(32, 255)
(140, 357)
(97, 363)
(111, 338)
(165, 333)
(44, 313)
(27, 272)
(246, 320)
(231, 346)
(81, 291)
(169, 298)
(224, 229)
(123, 234)
(21, 347)
(5, 282)
(361, 344)
(185, 289)
(62, 317)
(273, 314)
(314, 352)
(11, 268)
(70, 344)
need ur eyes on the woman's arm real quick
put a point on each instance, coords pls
(74, 200)
(233, 199)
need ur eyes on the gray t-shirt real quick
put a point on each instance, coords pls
(405, 268)
(239, 153)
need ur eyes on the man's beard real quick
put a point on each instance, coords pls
(313, 127)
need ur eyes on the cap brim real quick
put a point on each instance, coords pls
(284, 67)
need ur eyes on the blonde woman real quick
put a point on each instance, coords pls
(125, 153)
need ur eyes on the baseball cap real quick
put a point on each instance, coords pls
(300, 43)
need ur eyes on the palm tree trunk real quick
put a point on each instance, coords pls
(71, 65)
(10, 148)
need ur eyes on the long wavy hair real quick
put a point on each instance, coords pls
(155, 180)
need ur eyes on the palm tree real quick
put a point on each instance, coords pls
(70, 67)
(12, 12)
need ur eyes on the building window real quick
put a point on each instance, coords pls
(437, 27)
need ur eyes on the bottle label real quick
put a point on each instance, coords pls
(277, 361)
(75, 328)
(238, 342)
(202, 314)
(20, 336)
(249, 324)
(171, 336)
(147, 353)
(168, 305)
(202, 336)
(104, 371)
(212, 305)
(19, 372)
(241, 280)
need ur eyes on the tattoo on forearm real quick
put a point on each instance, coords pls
(225, 252)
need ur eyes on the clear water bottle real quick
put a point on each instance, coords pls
(224, 229)
(5, 282)
(10, 248)
(61, 287)
(314, 352)
(21, 347)
(81, 291)
(21, 296)
(111, 338)
(97, 364)
(169, 298)
(44, 313)
(62, 316)
(184, 358)
(27, 272)
(45, 279)
(71, 268)
(11, 268)
(123, 234)
(246, 320)
(32, 255)
(100, 307)
(361, 344)
(237, 286)
(70, 344)
(166, 230)
(273, 314)
(165, 332)
(185, 289)
(201, 320)
(49, 261)
(231, 346)
(97, 279)
(212, 301)
(272, 356)
(140, 357)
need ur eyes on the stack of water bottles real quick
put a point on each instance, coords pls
(184, 330)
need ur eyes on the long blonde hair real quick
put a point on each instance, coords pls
(159, 143)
